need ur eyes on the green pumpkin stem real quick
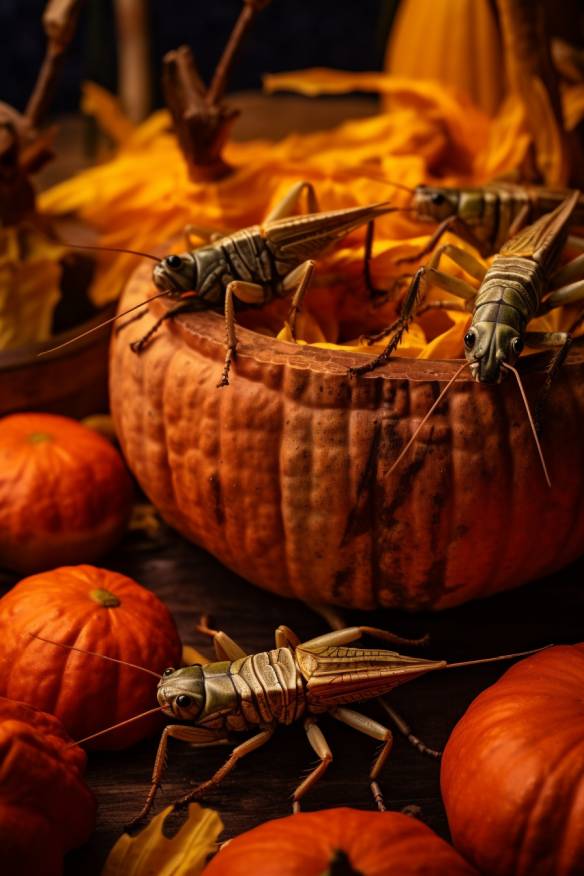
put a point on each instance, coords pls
(340, 865)
(105, 598)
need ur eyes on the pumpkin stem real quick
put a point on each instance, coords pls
(340, 865)
(105, 598)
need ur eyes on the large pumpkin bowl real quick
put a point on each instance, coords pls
(283, 475)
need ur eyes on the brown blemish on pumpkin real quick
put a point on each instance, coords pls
(357, 521)
(105, 598)
(40, 437)
(217, 498)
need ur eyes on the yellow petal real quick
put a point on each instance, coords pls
(150, 853)
(105, 107)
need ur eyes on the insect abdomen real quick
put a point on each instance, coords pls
(269, 687)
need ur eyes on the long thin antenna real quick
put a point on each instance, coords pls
(426, 417)
(101, 324)
(496, 659)
(95, 654)
(530, 418)
(135, 252)
(115, 726)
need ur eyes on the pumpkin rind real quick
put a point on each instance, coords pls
(376, 844)
(282, 475)
(65, 494)
(45, 807)
(513, 770)
(84, 692)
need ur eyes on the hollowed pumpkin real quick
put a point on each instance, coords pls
(45, 806)
(513, 770)
(283, 474)
(96, 610)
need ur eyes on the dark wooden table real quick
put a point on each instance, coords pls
(190, 582)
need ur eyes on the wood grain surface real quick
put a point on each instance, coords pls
(190, 582)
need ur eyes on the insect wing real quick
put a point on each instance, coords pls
(307, 236)
(538, 239)
(337, 674)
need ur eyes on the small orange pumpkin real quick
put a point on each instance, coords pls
(65, 494)
(45, 806)
(513, 770)
(354, 842)
(96, 610)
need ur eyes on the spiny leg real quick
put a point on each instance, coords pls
(374, 292)
(250, 293)
(321, 747)
(406, 731)
(196, 736)
(225, 647)
(428, 274)
(350, 634)
(240, 751)
(376, 731)
(289, 202)
(455, 226)
(299, 277)
(138, 346)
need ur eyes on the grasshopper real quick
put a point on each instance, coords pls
(249, 268)
(295, 681)
(486, 217)
(522, 282)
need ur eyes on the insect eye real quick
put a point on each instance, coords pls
(438, 198)
(174, 261)
(183, 701)
(470, 340)
(517, 345)
(169, 671)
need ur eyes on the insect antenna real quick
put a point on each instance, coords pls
(530, 418)
(101, 324)
(115, 726)
(495, 659)
(136, 252)
(426, 418)
(95, 654)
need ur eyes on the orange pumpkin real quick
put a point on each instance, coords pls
(65, 494)
(283, 475)
(99, 611)
(45, 806)
(350, 840)
(513, 770)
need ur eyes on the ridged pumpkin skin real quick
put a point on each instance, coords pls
(375, 844)
(98, 611)
(283, 474)
(65, 494)
(513, 770)
(45, 806)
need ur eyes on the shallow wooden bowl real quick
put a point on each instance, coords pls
(283, 474)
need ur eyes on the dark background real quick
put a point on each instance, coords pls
(288, 34)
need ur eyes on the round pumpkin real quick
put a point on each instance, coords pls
(65, 494)
(283, 474)
(96, 610)
(513, 770)
(339, 841)
(45, 806)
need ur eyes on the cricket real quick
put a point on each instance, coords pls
(296, 681)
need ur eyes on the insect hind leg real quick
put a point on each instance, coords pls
(377, 731)
(321, 747)
(289, 202)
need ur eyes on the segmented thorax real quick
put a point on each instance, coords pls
(269, 687)
(511, 290)
(240, 256)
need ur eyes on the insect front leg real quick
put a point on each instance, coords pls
(139, 345)
(240, 751)
(197, 736)
(224, 645)
(299, 277)
(455, 225)
(428, 274)
(377, 731)
(321, 747)
(250, 293)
